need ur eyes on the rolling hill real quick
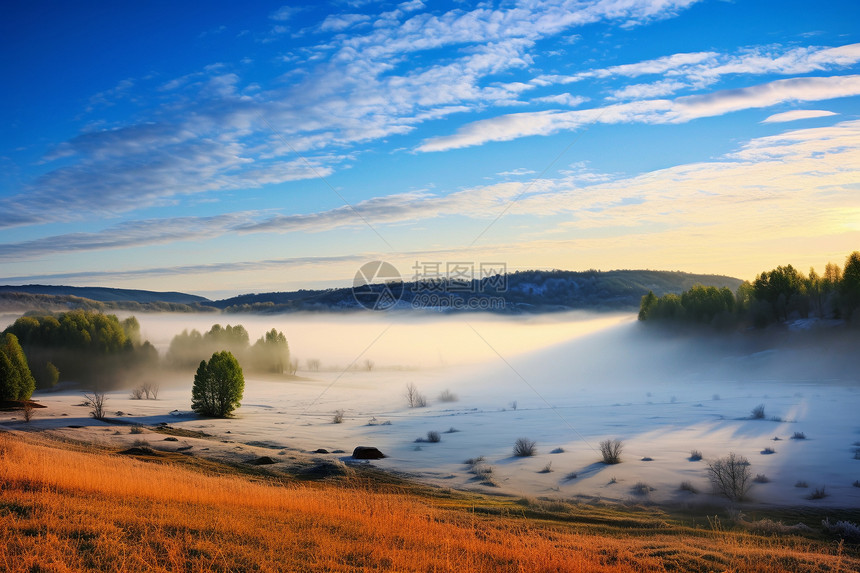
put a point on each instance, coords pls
(519, 292)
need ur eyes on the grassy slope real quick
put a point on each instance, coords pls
(64, 507)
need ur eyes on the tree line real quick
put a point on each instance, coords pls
(774, 296)
(81, 345)
(102, 351)
(271, 353)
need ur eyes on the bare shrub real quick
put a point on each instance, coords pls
(571, 476)
(96, 403)
(768, 451)
(798, 436)
(856, 483)
(695, 455)
(557, 451)
(801, 483)
(151, 390)
(451, 430)
(447, 396)
(642, 488)
(730, 476)
(817, 493)
(338, 417)
(770, 527)
(761, 478)
(546, 469)
(137, 429)
(611, 451)
(137, 393)
(313, 364)
(525, 447)
(758, 412)
(27, 410)
(414, 398)
(687, 486)
(482, 471)
(844, 529)
(433, 437)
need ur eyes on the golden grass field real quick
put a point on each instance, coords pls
(71, 507)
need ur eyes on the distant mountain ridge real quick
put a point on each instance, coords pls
(105, 294)
(522, 292)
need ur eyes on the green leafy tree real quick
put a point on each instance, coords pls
(815, 293)
(649, 301)
(51, 375)
(271, 353)
(15, 354)
(849, 287)
(10, 379)
(83, 344)
(744, 297)
(780, 288)
(188, 348)
(218, 385)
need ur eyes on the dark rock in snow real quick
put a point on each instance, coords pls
(367, 453)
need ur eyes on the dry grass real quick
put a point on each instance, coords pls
(67, 509)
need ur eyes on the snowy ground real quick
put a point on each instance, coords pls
(566, 383)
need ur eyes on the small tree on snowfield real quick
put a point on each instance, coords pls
(218, 386)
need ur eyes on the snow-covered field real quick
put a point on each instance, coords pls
(567, 382)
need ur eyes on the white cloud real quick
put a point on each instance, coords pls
(643, 91)
(516, 172)
(797, 114)
(702, 69)
(125, 235)
(351, 89)
(777, 193)
(764, 95)
(283, 13)
(682, 109)
(340, 22)
(563, 99)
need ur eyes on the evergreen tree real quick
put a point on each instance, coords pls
(218, 385)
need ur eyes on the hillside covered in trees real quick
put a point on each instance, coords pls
(531, 291)
(518, 292)
(778, 295)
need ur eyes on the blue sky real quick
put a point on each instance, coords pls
(221, 148)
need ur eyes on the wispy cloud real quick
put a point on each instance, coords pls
(810, 174)
(682, 109)
(203, 133)
(126, 235)
(566, 99)
(797, 114)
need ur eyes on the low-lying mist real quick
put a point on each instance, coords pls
(392, 340)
